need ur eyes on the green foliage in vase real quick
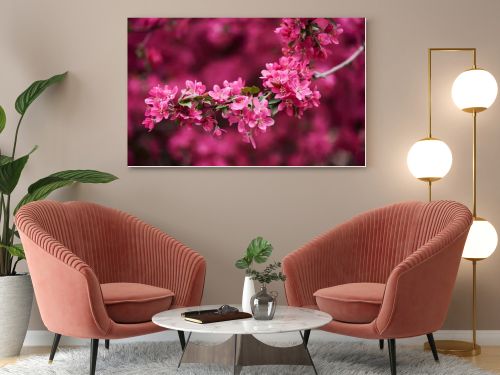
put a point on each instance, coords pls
(259, 250)
(270, 273)
(11, 169)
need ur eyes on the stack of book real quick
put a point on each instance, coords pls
(213, 316)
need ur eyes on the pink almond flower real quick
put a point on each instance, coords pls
(288, 106)
(274, 77)
(190, 116)
(259, 116)
(220, 95)
(239, 102)
(194, 88)
(260, 106)
(301, 89)
(290, 29)
(148, 123)
(235, 86)
(160, 110)
(306, 38)
(162, 93)
(239, 117)
(333, 32)
(208, 123)
(261, 122)
(159, 105)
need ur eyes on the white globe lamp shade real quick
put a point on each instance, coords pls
(481, 241)
(474, 90)
(429, 159)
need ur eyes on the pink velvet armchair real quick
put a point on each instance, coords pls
(385, 274)
(99, 273)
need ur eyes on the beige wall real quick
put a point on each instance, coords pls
(82, 124)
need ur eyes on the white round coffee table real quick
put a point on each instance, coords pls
(242, 348)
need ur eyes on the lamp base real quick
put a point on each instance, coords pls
(456, 348)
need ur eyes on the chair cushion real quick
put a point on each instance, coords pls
(135, 303)
(351, 303)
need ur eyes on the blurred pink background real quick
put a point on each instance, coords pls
(171, 51)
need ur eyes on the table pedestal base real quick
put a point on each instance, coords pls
(246, 350)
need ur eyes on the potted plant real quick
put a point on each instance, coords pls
(16, 291)
(258, 251)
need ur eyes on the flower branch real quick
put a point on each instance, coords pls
(343, 64)
(287, 86)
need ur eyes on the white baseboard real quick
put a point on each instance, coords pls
(484, 337)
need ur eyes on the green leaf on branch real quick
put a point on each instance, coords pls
(259, 250)
(29, 95)
(274, 101)
(10, 172)
(269, 274)
(15, 250)
(3, 119)
(251, 90)
(242, 263)
(186, 103)
(43, 187)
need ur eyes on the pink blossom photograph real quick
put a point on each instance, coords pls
(261, 92)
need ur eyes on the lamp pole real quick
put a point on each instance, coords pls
(455, 347)
(429, 96)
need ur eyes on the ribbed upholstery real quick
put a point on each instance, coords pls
(87, 245)
(404, 241)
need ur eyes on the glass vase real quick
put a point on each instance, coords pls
(263, 304)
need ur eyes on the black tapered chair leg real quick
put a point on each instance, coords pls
(94, 346)
(392, 355)
(106, 344)
(307, 333)
(182, 339)
(55, 344)
(432, 344)
(381, 344)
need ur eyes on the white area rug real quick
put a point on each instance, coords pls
(162, 358)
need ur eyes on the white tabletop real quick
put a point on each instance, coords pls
(286, 319)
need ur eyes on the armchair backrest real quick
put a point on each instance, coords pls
(386, 236)
(378, 242)
(94, 233)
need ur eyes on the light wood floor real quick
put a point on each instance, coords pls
(488, 360)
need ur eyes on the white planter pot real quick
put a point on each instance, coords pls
(16, 298)
(248, 292)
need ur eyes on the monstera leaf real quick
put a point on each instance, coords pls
(258, 250)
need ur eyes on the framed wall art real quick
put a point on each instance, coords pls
(280, 92)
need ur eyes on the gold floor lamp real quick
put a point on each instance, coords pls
(430, 159)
